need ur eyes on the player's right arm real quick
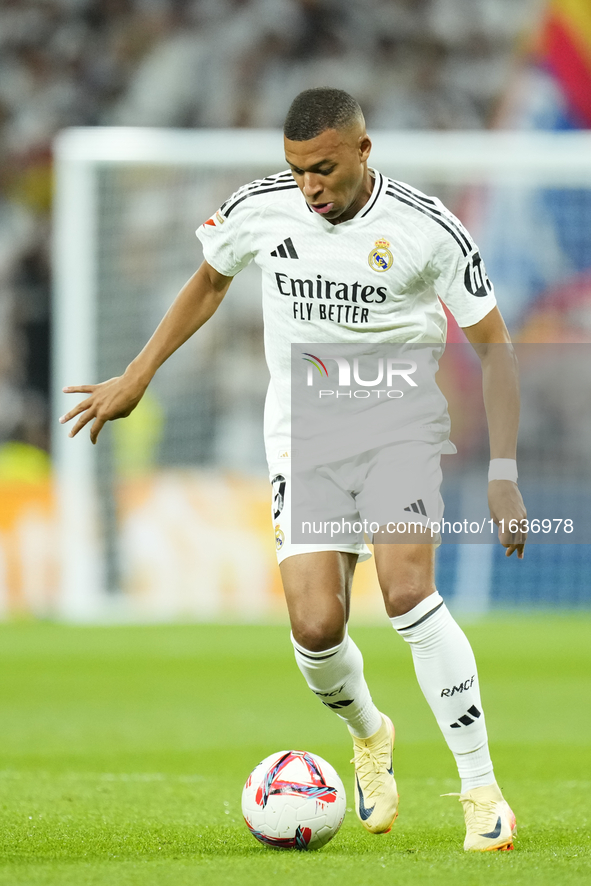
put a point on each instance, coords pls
(117, 397)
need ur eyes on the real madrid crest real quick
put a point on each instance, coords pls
(380, 258)
(279, 537)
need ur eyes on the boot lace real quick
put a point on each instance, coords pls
(370, 766)
(478, 815)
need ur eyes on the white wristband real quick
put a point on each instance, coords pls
(502, 469)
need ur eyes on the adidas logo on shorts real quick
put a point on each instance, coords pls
(418, 507)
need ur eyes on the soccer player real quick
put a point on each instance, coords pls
(311, 230)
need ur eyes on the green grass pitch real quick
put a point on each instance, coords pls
(123, 751)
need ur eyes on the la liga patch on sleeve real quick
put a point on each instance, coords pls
(215, 220)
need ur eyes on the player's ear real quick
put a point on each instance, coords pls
(364, 147)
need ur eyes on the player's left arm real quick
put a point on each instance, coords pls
(500, 381)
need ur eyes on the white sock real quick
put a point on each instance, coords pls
(446, 671)
(336, 677)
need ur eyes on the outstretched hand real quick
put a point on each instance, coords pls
(508, 511)
(115, 398)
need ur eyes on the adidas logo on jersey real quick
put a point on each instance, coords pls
(285, 250)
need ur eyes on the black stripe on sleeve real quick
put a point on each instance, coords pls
(430, 205)
(258, 193)
(429, 214)
(422, 198)
(279, 178)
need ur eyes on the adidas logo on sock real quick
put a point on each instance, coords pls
(465, 720)
(335, 705)
(285, 250)
(418, 507)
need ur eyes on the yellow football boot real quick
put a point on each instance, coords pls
(376, 796)
(490, 823)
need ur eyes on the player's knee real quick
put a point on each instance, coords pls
(319, 635)
(400, 596)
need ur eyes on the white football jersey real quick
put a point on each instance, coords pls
(377, 278)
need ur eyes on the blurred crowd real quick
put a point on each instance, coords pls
(208, 63)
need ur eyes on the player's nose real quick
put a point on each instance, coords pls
(312, 185)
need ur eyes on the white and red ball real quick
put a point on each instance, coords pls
(294, 800)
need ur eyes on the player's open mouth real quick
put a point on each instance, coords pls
(322, 208)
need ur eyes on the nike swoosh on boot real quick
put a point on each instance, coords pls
(497, 830)
(364, 812)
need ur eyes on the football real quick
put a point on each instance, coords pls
(293, 800)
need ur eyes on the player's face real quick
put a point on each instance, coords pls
(331, 171)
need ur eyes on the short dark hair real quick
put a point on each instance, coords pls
(315, 110)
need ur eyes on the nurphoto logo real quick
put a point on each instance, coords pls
(386, 371)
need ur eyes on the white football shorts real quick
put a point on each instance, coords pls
(336, 506)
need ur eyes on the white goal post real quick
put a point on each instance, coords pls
(98, 232)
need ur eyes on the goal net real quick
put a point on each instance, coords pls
(167, 516)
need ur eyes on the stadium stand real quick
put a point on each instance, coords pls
(204, 63)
